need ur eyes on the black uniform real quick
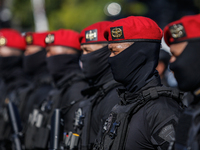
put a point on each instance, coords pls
(41, 82)
(15, 81)
(99, 98)
(187, 75)
(69, 82)
(147, 114)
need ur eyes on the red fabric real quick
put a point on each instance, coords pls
(37, 38)
(134, 28)
(13, 39)
(64, 37)
(191, 26)
(100, 27)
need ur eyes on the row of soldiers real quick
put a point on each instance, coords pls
(99, 90)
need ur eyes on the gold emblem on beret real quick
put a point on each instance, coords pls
(49, 38)
(177, 31)
(116, 32)
(2, 41)
(29, 39)
(91, 35)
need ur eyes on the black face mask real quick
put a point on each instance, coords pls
(8, 63)
(95, 62)
(186, 67)
(135, 66)
(59, 65)
(35, 63)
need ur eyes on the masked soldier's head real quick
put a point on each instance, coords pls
(95, 51)
(134, 43)
(183, 38)
(63, 52)
(12, 45)
(34, 60)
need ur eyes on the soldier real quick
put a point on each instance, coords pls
(34, 65)
(101, 96)
(183, 37)
(12, 46)
(63, 52)
(147, 114)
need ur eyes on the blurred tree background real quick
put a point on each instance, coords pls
(78, 14)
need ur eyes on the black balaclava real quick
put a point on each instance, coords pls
(36, 63)
(95, 64)
(186, 67)
(11, 72)
(135, 66)
(60, 65)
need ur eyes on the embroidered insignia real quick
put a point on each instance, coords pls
(3, 41)
(29, 39)
(91, 35)
(177, 31)
(117, 32)
(49, 39)
(167, 133)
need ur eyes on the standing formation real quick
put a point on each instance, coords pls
(99, 89)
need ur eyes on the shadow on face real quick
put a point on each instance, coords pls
(88, 48)
(8, 51)
(32, 49)
(59, 50)
(117, 48)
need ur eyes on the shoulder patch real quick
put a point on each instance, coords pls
(167, 133)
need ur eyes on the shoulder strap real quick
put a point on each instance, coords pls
(120, 116)
(104, 90)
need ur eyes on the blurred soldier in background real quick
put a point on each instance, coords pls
(63, 52)
(12, 45)
(162, 67)
(148, 112)
(183, 37)
(34, 65)
(101, 96)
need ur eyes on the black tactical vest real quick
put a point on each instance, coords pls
(83, 116)
(115, 127)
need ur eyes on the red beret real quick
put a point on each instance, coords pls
(12, 38)
(187, 28)
(63, 37)
(94, 33)
(38, 39)
(133, 28)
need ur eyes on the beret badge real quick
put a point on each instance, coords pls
(2, 41)
(177, 31)
(91, 35)
(49, 39)
(117, 32)
(29, 39)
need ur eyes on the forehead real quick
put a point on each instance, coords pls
(178, 48)
(122, 44)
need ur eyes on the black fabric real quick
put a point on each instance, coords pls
(35, 63)
(135, 66)
(59, 65)
(95, 64)
(151, 115)
(186, 67)
(12, 73)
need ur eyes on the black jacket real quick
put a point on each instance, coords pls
(99, 100)
(152, 125)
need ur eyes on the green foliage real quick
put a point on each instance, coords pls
(68, 14)
(22, 13)
(78, 14)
